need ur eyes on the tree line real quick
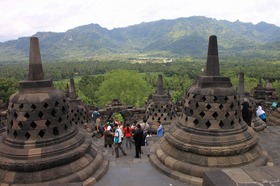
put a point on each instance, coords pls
(98, 82)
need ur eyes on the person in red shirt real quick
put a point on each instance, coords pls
(127, 134)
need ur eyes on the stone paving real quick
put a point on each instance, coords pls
(129, 171)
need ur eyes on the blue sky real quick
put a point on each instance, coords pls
(23, 18)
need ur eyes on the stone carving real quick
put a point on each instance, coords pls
(160, 107)
(42, 146)
(210, 133)
(80, 114)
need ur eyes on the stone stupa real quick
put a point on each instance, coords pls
(210, 133)
(160, 107)
(41, 145)
(80, 114)
(257, 124)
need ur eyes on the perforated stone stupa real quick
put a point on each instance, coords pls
(80, 114)
(210, 133)
(41, 145)
(160, 107)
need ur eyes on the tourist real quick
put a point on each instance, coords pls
(127, 134)
(108, 137)
(247, 113)
(159, 129)
(261, 113)
(98, 125)
(138, 138)
(118, 142)
(95, 114)
(145, 128)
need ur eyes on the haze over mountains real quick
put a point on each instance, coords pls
(164, 38)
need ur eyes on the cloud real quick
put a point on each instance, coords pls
(25, 18)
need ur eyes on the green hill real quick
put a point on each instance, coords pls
(165, 38)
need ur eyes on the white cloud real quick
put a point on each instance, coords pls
(21, 18)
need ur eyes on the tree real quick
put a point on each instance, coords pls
(127, 86)
(8, 86)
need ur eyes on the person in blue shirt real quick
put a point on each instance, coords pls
(160, 128)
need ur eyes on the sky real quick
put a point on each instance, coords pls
(24, 18)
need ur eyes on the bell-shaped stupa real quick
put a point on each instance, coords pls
(210, 133)
(42, 146)
(160, 107)
(80, 114)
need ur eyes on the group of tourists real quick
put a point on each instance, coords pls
(116, 134)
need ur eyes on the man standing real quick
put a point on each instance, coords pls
(118, 142)
(95, 114)
(145, 128)
(138, 138)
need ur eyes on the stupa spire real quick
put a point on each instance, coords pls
(160, 90)
(72, 90)
(35, 64)
(212, 63)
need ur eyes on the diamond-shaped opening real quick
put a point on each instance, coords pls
(33, 106)
(221, 124)
(164, 110)
(215, 115)
(72, 111)
(20, 106)
(232, 123)
(226, 98)
(53, 113)
(203, 98)
(20, 125)
(41, 133)
(41, 115)
(33, 125)
(231, 106)
(191, 112)
(163, 119)
(221, 106)
(196, 105)
(215, 98)
(63, 109)
(15, 134)
(56, 103)
(208, 124)
(12, 105)
(15, 115)
(46, 105)
(59, 120)
(65, 127)
(48, 123)
(186, 118)
(27, 135)
(202, 114)
(227, 115)
(195, 122)
(75, 115)
(11, 123)
(208, 106)
(26, 115)
(55, 131)
(64, 100)
(156, 106)
(155, 114)
(171, 118)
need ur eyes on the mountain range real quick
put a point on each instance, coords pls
(164, 38)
